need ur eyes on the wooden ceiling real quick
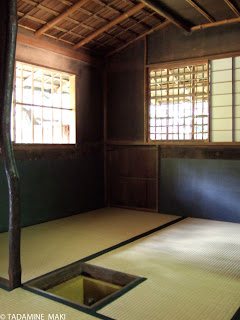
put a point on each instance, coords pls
(103, 27)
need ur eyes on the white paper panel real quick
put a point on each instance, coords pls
(221, 124)
(221, 76)
(221, 88)
(222, 112)
(221, 136)
(221, 100)
(221, 64)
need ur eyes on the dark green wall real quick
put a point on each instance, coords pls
(203, 187)
(55, 188)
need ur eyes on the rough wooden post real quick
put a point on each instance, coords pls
(8, 53)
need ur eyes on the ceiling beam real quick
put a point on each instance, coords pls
(234, 9)
(109, 25)
(215, 24)
(21, 38)
(160, 26)
(59, 18)
(156, 6)
(199, 9)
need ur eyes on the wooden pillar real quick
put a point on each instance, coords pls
(8, 48)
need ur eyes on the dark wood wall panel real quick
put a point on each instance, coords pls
(125, 109)
(133, 177)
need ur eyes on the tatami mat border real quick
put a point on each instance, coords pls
(236, 315)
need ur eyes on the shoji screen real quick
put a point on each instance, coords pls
(225, 100)
(221, 100)
(236, 96)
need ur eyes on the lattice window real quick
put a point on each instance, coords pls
(43, 106)
(179, 107)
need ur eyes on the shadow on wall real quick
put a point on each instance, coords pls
(207, 189)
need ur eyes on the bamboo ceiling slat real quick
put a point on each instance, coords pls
(65, 31)
(110, 7)
(31, 11)
(128, 28)
(95, 16)
(57, 28)
(60, 17)
(109, 25)
(117, 10)
(162, 25)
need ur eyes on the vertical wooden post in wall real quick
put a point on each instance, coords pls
(209, 102)
(233, 102)
(157, 178)
(145, 90)
(106, 197)
(7, 72)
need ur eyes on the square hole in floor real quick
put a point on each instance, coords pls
(83, 285)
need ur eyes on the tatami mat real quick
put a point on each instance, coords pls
(192, 270)
(22, 302)
(49, 246)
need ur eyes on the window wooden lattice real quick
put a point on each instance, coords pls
(179, 106)
(43, 106)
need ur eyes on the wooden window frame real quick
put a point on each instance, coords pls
(72, 92)
(178, 64)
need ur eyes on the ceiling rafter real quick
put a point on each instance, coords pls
(216, 23)
(60, 17)
(129, 29)
(110, 7)
(234, 9)
(162, 25)
(102, 3)
(135, 24)
(46, 9)
(201, 10)
(109, 25)
(95, 16)
(179, 22)
(55, 27)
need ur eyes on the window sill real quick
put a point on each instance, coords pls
(56, 151)
(172, 143)
(38, 147)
